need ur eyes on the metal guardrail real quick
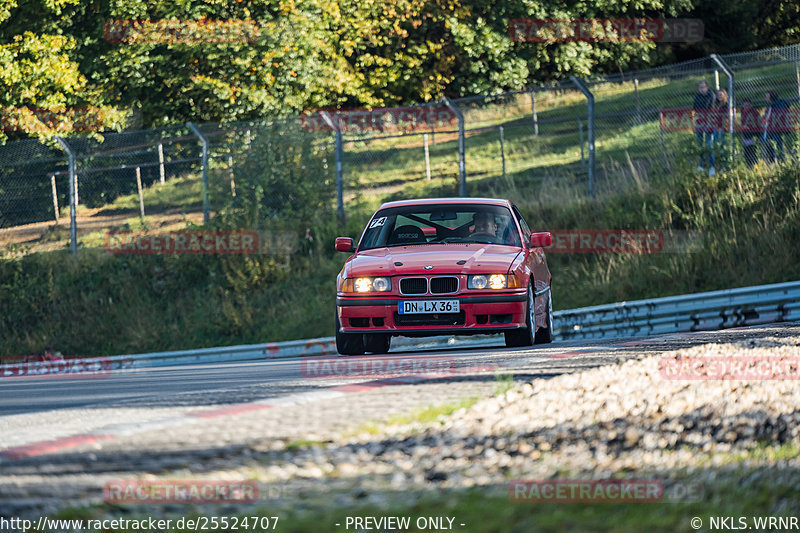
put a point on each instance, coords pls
(714, 310)
(722, 309)
(226, 354)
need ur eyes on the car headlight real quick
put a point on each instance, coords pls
(367, 285)
(381, 284)
(492, 281)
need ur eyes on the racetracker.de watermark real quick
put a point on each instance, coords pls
(775, 367)
(177, 31)
(603, 491)
(200, 242)
(64, 119)
(376, 368)
(98, 367)
(744, 121)
(600, 30)
(384, 119)
(586, 490)
(180, 492)
(614, 241)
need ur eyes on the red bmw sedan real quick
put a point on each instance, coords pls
(444, 266)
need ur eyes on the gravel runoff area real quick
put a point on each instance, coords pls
(599, 423)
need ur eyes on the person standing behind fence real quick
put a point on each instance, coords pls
(720, 122)
(703, 126)
(750, 128)
(774, 123)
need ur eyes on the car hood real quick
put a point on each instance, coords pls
(445, 258)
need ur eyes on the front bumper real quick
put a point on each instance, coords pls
(489, 313)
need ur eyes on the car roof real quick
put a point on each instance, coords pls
(439, 201)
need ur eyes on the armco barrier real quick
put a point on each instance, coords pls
(728, 308)
(714, 310)
(250, 352)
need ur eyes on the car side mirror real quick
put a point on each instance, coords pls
(345, 244)
(541, 239)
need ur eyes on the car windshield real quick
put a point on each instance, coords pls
(437, 224)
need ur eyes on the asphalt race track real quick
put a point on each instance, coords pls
(231, 382)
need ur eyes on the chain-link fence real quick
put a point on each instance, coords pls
(596, 136)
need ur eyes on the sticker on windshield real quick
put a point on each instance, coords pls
(378, 222)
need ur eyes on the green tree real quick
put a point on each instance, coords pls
(44, 91)
(318, 53)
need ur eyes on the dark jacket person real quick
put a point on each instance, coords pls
(703, 125)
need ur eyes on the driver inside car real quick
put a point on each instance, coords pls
(485, 225)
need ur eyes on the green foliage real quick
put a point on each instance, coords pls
(145, 301)
(314, 53)
(286, 177)
(741, 26)
(40, 72)
(5, 8)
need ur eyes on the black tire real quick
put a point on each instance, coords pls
(524, 336)
(348, 343)
(545, 335)
(377, 342)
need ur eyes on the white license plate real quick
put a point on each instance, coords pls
(427, 307)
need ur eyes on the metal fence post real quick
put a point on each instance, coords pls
(663, 146)
(339, 170)
(533, 114)
(73, 198)
(139, 190)
(797, 77)
(462, 165)
(590, 129)
(204, 141)
(427, 157)
(731, 99)
(638, 102)
(230, 171)
(55, 195)
(502, 152)
(161, 170)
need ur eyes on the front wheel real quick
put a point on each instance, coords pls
(523, 337)
(348, 343)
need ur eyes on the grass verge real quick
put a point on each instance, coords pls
(760, 489)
